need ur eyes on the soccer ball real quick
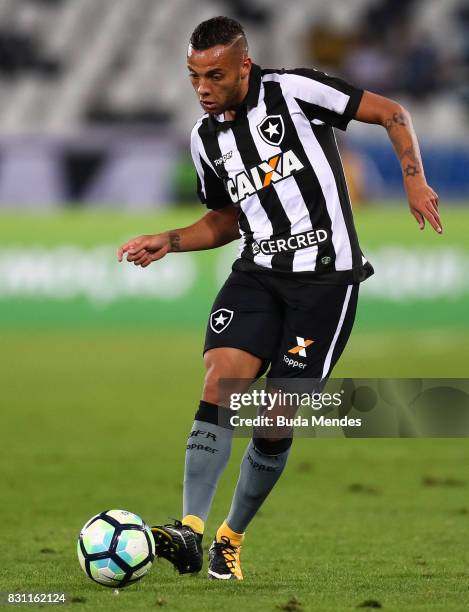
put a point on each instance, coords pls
(116, 548)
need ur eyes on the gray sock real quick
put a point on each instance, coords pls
(258, 474)
(207, 453)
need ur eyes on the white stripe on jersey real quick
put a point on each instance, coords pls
(323, 171)
(196, 146)
(290, 196)
(315, 92)
(257, 218)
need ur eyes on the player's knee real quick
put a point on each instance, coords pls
(218, 365)
(211, 389)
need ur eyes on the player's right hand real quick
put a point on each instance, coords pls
(142, 250)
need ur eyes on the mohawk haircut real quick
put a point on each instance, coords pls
(217, 31)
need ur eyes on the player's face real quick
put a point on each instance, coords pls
(219, 76)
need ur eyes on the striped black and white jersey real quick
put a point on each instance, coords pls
(279, 164)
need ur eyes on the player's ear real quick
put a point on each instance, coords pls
(246, 67)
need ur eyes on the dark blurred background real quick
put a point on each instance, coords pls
(95, 105)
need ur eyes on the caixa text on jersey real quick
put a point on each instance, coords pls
(276, 168)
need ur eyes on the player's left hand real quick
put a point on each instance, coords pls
(423, 204)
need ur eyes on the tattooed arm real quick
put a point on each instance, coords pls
(423, 201)
(216, 228)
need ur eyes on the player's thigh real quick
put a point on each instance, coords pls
(231, 362)
(247, 319)
(316, 329)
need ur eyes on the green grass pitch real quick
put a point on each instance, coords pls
(94, 419)
(98, 420)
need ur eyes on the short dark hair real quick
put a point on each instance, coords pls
(217, 31)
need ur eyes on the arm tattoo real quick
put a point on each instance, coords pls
(175, 241)
(411, 170)
(396, 119)
(410, 153)
(407, 154)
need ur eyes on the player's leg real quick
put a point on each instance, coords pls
(207, 453)
(239, 341)
(325, 315)
(261, 467)
(209, 444)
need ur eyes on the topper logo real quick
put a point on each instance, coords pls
(300, 348)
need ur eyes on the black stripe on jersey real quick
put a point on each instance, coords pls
(313, 111)
(268, 197)
(307, 182)
(212, 148)
(215, 194)
(325, 136)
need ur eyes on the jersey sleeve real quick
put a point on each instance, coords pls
(210, 187)
(326, 98)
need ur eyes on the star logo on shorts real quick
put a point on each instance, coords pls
(220, 319)
(272, 129)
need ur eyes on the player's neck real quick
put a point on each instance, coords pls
(229, 115)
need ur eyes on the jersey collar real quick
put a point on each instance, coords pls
(252, 97)
(251, 100)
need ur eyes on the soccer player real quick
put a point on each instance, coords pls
(269, 170)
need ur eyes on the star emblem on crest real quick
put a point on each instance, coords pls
(272, 129)
(220, 319)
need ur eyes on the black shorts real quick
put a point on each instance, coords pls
(299, 329)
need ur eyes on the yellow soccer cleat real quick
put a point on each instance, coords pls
(224, 555)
